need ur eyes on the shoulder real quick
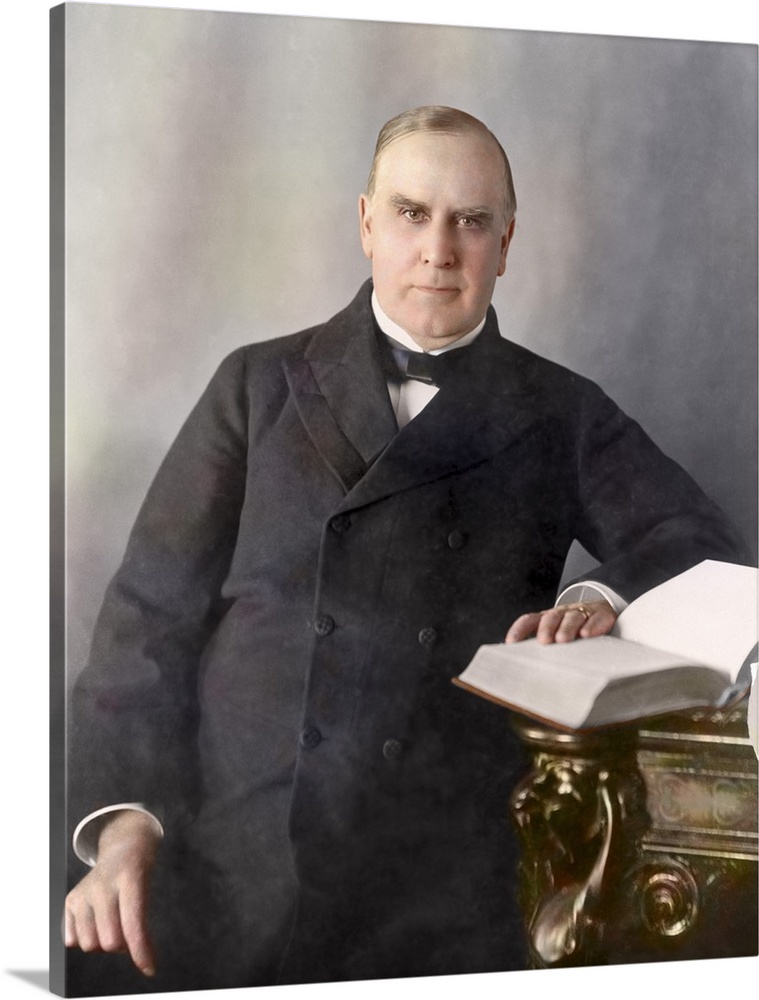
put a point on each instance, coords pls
(553, 384)
(260, 359)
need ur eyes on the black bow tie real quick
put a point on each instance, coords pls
(432, 369)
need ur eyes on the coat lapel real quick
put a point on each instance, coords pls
(341, 393)
(488, 407)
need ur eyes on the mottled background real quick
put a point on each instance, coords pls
(213, 164)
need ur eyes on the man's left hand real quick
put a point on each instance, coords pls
(565, 623)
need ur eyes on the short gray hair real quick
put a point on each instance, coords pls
(450, 121)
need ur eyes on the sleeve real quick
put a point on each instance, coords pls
(640, 514)
(132, 736)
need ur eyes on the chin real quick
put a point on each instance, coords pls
(445, 336)
(434, 327)
(445, 332)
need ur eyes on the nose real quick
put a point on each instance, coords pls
(438, 246)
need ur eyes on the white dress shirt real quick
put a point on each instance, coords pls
(410, 397)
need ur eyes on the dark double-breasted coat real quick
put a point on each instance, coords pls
(272, 666)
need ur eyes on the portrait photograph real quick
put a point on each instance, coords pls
(278, 534)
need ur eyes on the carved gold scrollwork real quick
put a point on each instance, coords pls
(563, 919)
(668, 899)
(578, 812)
(567, 819)
(636, 843)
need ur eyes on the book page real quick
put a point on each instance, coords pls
(561, 681)
(707, 614)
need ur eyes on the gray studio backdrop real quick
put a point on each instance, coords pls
(213, 165)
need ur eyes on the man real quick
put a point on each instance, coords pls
(324, 548)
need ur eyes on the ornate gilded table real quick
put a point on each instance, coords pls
(639, 842)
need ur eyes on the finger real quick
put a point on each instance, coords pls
(601, 622)
(80, 927)
(524, 627)
(133, 908)
(550, 623)
(68, 929)
(108, 921)
(570, 626)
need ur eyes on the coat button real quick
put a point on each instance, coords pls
(310, 738)
(392, 749)
(340, 523)
(427, 637)
(456, 540)
(323, 625)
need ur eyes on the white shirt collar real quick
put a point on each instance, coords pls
(391, 329)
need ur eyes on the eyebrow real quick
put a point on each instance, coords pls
(481, 214)
(401, 201)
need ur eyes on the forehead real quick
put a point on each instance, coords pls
(465, 167)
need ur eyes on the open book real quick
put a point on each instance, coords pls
(687, 643)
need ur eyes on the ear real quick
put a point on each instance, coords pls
(505, 244)
(365, 223)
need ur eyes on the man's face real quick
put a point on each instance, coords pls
(435, 232)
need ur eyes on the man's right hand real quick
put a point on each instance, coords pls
(107, 910)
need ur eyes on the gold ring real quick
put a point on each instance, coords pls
(583, 611)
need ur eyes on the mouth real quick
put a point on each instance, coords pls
(436, 290)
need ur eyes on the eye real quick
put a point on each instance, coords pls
(412, 214)
(470, 222)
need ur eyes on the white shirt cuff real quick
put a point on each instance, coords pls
(589, 590)
(88, 830)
